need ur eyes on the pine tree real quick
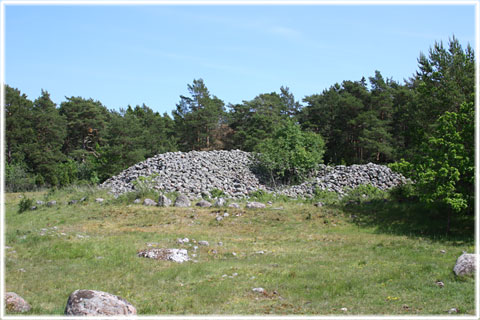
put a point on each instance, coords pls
(50, 131)
(198, 117)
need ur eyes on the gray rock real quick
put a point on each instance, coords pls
(204, 204)
(164, 201)
(96, 303)
(182, 241)
(72, 202)
(51, 203)
(219, 218)
(182, 201)
(219, 203)
(258, 290)
(318, 204)
(465, 265)
(175, 255)
(254, 204)
(99, 200)
(40, 202)
(203, 243)
(137, 201)
(149, 202)
(33, 208)
(15, 303)
(234, 205)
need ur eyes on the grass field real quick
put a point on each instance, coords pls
(315, 261)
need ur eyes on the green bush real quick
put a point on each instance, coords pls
(18, 179)
(291, 155)
(66, 173)
(325, 196)
(444, 169)
(217, 193)
(25, 204)
(364, 192)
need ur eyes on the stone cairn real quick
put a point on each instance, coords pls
(196, 173)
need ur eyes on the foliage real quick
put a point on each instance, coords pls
(198, 118)
(66, 173)
(325, 196)
(364, 192)
(24, 204)
(256, 120)
(217, 193)
(17, 178)
(444, 171)
(144, 186)
(291, 155)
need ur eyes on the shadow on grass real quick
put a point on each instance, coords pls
(412, 219)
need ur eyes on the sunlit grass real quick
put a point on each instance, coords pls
(309, 260)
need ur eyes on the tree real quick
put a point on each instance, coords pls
(444, 170)
(444, 81)
(198, 117)
(290, 155)
(253, 121)
(19, 131)
(86, 123)
(44, 152)
(124, 144)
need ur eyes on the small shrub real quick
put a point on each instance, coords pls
(25, 204)
(403, 193)
(362, 193)
(217, 193)
(325, 196)
(144, 186)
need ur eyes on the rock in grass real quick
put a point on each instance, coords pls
(99, 200)
(15, 303)
(137, 201)
(204, 204)
(234, 205)
(258, 290)
(51, 203)
(149, 202)
(164, 201)
(203, 243)
(465, 265)
(220, 202)
(182, 201)
(255, 204)
(94, 303)
(40, 202)
(176, 255)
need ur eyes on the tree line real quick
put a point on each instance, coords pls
(376, 120)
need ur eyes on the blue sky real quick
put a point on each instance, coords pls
(129, 55)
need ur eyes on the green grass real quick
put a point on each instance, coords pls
(316, 260)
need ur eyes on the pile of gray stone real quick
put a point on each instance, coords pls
(197, 173)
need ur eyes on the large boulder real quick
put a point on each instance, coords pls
(182, 201)
(94, 303)
(163, 201)
(254, 204)
(465, 265)
(15, 303)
